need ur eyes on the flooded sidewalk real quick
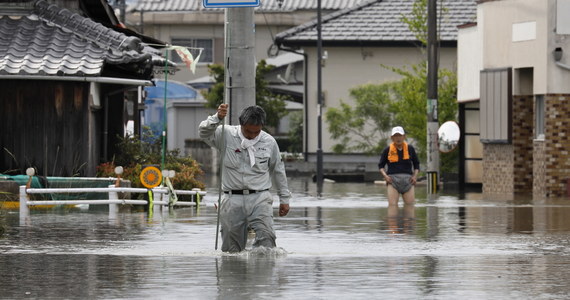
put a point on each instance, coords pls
(346, 244)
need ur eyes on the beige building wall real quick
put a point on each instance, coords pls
(469, 58)
(516, 34)
(349, 67)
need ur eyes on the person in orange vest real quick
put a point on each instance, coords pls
(402, 170)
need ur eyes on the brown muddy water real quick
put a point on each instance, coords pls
(345, 244)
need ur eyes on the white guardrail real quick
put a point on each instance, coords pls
(163, 197)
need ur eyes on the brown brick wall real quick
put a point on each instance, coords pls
(498, 174)
(557, 144)
(539, 170)
(527, 165)
(523, 124)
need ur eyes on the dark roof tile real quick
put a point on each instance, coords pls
(377, 21)
(54, 41)
(266, 5)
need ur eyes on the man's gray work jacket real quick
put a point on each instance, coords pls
(238, 174)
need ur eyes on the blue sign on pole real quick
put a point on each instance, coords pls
(230, 3)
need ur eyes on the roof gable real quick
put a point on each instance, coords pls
(377, 21)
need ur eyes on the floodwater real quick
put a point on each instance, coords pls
(345, 244)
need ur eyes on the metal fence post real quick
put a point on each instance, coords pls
(24, 209)
(157, 196)
(113, 207)
(197, 190)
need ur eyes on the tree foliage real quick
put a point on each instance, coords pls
(135, 153)
(296, 133)
(273, 104)
(362, 127)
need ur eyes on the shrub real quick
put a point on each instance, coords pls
(134, 154)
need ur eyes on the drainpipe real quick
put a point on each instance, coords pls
(563, 66)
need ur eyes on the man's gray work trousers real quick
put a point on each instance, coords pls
(240, 212)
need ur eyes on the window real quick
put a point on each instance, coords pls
(207, 54)
(539, 116)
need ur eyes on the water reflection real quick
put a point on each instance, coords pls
(246, 277)
(348, 244)
(401, 221)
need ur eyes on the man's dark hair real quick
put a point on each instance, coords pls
(252, 115)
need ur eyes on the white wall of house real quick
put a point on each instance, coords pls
(349, 67)
(470, 62)
(558, 78)
(469, 65)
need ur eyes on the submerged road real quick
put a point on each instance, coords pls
(346, 244)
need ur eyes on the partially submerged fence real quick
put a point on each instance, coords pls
(159, 197)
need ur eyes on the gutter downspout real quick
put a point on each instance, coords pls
(563, 66)
(305, 104)
(110, 80)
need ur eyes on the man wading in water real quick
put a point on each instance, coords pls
(403, 168)
(251, 161)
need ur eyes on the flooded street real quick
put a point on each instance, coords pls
(346, 244)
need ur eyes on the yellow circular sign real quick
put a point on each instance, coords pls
(151, 177)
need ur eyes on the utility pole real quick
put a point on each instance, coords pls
(239, 60)
(432, 121)
(320, 175)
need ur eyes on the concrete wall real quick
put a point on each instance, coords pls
(522, 34)
(183, 121)
(515, 35)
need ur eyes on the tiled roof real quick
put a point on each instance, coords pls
(266, 5)
(54, 41)
(376, 21)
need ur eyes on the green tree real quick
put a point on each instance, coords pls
(296, 133)
(273, 104)
(362, 128)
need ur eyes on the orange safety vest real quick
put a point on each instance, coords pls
(393, 152)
